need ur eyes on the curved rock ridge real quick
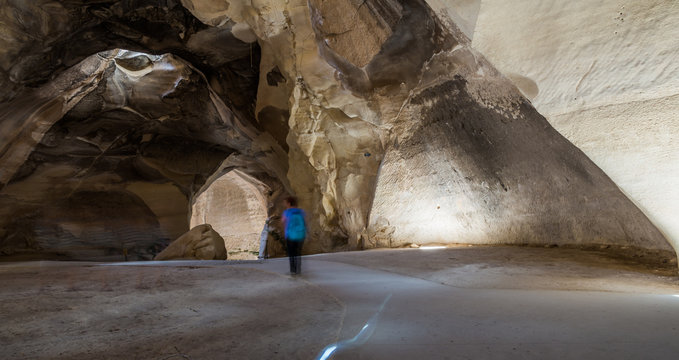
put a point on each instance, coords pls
(377, 114)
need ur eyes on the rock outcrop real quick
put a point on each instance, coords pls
(200, 243)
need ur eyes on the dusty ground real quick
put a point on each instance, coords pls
(506, 267)
(85, 311)
(212, 310)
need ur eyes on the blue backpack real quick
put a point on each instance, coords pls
(295, 229)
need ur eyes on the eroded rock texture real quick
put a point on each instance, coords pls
(202, 242)
(454, 152)
(378, 114)
(125, 137)
(235, 205)
(605, 75)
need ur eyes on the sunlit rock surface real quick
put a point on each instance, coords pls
(377, 114)
(202, 242)
(608, 80)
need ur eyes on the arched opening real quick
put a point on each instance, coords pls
(236, 206)
(116, 116)
(101, 158)
(110, 177)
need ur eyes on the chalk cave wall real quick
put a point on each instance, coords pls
(605, 74)
(411, 137)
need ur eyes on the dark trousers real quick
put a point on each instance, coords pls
(295, 255)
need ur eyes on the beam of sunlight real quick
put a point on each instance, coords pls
(366, 332)
(431, 247)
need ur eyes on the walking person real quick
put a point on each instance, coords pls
(294, 222)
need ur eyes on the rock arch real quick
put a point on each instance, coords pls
(236, 205)
(130, 120)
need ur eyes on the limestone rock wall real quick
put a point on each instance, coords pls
(377, 114)
(605, 74)
(449, 147)
(462, 13)
(334, 138)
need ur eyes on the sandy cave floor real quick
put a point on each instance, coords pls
(253, 310)
(86, 311)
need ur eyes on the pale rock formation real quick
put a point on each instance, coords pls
(462, 157)
(235, 205)
(334, 139)
(605, 74)
(200, 243)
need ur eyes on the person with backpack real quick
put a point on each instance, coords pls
(294, 222)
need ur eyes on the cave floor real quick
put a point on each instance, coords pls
(453, 303)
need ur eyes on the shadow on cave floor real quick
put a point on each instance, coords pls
(521, 267)
(474, 302)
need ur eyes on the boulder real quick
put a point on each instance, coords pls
(199, 243)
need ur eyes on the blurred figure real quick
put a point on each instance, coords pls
(262, 240)
(294, 225)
